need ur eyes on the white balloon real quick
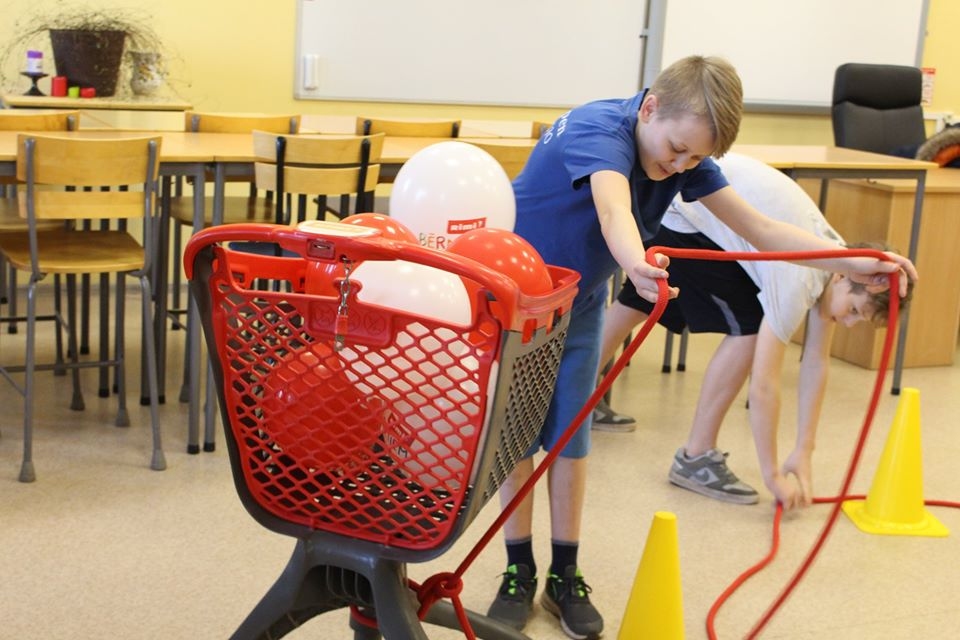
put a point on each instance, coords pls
(414, 288)
(449, 188)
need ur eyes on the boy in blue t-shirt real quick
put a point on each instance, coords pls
(592, 192)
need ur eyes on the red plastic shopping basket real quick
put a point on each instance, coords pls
(375, 423)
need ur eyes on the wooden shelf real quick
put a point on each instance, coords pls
(122, 104)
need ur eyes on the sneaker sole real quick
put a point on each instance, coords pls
(716, 494)
(551, 607)
(613, 427)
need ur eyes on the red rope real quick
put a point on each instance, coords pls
(746, 575)
(428, 594)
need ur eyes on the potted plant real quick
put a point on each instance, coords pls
(88, 44)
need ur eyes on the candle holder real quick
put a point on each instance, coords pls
(34, 77)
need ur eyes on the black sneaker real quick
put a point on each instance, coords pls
(566, 597)
(514, 601)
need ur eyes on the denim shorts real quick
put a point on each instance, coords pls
(576, 378)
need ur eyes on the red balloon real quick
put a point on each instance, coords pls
(314, 414)
(389, 227)
(508, 253)
(321, 275)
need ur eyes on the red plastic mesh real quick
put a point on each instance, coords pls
(380, 440)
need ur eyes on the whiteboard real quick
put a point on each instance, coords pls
(549, 53)
(786, 51)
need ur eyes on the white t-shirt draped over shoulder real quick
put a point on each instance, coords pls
(787, 291)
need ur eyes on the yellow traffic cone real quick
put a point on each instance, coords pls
(894, 505)
(655, 607)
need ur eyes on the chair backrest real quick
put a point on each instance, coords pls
(876, 107)
(239, 122)
(539, 128)
(16, 120)
(409, 128)
(46, 162)
(317, 165)
(511, 156)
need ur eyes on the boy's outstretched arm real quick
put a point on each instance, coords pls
(767, 234)
(611, 197)
(764, 398)
(811, 387)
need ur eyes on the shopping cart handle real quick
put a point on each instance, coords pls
(332, 242)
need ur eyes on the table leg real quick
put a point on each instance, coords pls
(912, 254)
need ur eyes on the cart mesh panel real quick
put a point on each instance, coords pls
(400, 436)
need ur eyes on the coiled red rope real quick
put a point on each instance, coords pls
(450, 584)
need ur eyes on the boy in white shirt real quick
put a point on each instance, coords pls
(759, 305)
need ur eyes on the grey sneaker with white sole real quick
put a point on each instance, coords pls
(708, 475)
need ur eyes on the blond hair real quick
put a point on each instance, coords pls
(705, 87)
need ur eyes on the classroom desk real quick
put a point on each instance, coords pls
(831, 163)
(469, 128)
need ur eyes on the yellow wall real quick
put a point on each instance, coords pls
(240, 57)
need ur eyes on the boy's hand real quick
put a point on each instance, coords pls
(646, 277)
(799, 464)
(796, 491)
(784, 490)
(870, 271)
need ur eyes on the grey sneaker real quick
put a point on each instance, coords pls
(606, 419)
(708, 475)
(514, 601)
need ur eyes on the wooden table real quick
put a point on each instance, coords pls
(469, 128)
(832, 163)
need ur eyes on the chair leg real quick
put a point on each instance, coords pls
(158, 461)
(176, 279)
(185, 386)
(85, 314)
(12, 299)
(76, 403)
(667, 353)
(210, 412)
(59, 369)
(103, 387)
(27, 471)
(120, 355)
(682, 354)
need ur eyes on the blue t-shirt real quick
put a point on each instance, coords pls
(555, 210)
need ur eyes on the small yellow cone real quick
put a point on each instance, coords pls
(655, 607)
(894, 505)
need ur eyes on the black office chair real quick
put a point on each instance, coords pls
(876, 107)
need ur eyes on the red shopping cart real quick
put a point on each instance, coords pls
(370, 433)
